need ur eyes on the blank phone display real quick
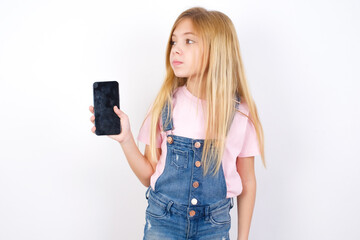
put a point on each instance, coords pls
(106, 96)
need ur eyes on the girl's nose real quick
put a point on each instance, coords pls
(176, 49)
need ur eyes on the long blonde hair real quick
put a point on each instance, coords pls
(224, 78)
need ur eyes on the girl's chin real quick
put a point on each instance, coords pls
(182, 75)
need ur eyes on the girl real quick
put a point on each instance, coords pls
(201, 133)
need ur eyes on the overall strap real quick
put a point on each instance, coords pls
(236, 104)
(238, 99)
(166, 111)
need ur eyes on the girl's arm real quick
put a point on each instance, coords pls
(139, 163)
(246, 200)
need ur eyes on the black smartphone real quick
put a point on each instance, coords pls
(106, 96)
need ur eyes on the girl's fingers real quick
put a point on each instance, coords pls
(92, 118)
(117, 111)
(93, 129)
(91, 108)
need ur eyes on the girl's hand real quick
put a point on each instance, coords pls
(125, 134)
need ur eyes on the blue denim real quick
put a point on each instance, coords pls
(185, 204)
(169, 220)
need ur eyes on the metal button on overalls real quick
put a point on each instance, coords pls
(194, 201)
(170, 140)
(196, 184)
(197, 144)
(197, 163)
(192, 213)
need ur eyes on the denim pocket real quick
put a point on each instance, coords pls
(155, 210)
(221, 216)
(179, 159)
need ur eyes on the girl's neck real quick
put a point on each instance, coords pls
(193, 89)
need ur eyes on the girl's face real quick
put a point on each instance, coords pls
(185, 55)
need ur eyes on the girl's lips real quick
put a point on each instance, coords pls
(175, 63)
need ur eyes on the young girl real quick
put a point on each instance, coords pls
(201, 133)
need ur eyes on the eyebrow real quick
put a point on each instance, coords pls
(187, 33)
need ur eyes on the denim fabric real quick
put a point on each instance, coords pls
(168, 220)
(185, 204)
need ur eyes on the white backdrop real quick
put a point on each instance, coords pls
(58, 180)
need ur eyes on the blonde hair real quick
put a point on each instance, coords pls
(224, 78)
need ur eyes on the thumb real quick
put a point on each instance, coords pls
(118, 111)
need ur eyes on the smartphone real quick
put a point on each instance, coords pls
(106, 96)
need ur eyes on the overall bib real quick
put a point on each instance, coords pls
(186, 204)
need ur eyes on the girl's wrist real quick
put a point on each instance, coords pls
(242, 238)
(127, 140)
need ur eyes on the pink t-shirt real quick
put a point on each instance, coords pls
(241, 140)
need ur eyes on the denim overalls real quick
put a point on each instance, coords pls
(186, 204)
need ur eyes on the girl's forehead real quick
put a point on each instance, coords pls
(184, 27)
(188, 33)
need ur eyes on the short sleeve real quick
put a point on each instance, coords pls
(144, 132)
(250, 143)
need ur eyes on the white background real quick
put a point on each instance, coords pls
(58, 180)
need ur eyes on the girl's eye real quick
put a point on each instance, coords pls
(187, 40)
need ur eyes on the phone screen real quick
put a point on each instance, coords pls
(106, 96)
